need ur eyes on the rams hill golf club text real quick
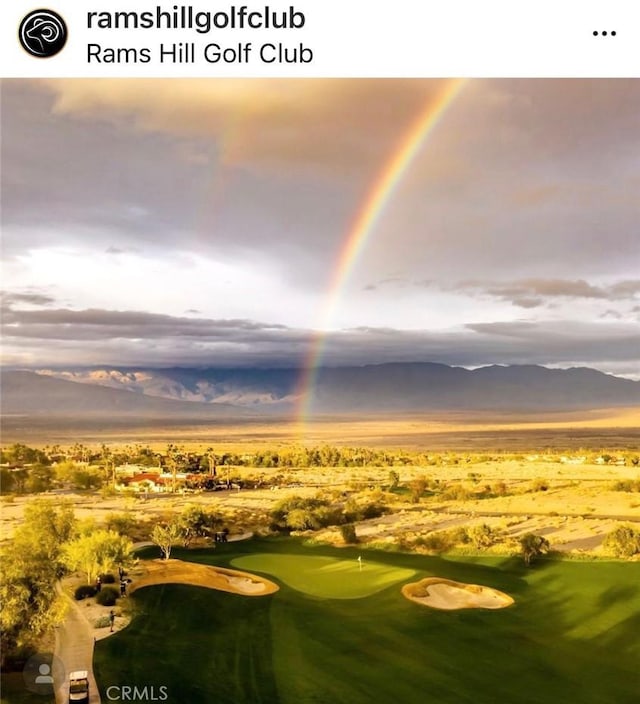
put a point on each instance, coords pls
(186, 18)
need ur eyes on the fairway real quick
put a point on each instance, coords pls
(570, 636)
(329, 577)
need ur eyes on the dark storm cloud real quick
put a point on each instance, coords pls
(561, 341)
(94, 184)
(136, 337)
(519, 342)
(529, 175)
(234, 168)
(52, 335)
(526, 193)
(93, 324)
(317, 124)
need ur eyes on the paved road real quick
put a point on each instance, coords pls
(74, 647)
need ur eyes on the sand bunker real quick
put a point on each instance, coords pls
(179, 572)
(439, 593)
(244, 585)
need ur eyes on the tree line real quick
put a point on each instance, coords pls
(325, 455)
(48, 543)
(51, 542)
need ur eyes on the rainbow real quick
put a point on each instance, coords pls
(378, 196)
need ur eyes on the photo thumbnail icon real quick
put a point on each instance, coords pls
(43, 33)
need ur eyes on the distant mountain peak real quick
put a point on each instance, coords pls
(390, 388)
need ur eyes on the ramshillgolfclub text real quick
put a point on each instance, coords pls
(186, 17)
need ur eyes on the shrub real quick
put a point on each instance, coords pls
(539, 485)
(107, 596)
(482, 536)
(102, 622)
(630, 485)
(623, 541)
(300, 513)
(435, 542)
(123, 523)
(532, 546)
(327, 516)
(457, 492)
(354, 511)
(348, 532)
(499, 489)
(373, 510)
(417, 487)
(459, 535)
(84, 591)
(440, 541)
(107, 578)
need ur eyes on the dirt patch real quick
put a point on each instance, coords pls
(445, 594)
(179, 572)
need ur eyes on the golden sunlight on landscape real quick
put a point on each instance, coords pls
(574, 497)
(358, 356)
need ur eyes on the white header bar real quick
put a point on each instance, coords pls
(325, 38)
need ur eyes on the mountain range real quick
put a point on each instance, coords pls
(30, 395)
(396, 388)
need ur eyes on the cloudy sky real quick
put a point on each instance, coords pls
(200, 222)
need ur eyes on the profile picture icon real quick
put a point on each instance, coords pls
(42, 672)
(43, 33)
(45, 674)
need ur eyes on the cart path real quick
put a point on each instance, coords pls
(74, 648)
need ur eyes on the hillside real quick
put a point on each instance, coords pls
(34, 395)
(388, 388)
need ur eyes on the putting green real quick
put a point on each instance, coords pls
(326, 576)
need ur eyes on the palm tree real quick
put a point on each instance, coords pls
(211, 458)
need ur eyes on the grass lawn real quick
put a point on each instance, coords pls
(14, 691)
(325, 576)
(571, 636)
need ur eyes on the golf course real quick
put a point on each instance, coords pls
(340, 630)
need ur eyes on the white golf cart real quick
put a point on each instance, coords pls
(79, 687)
